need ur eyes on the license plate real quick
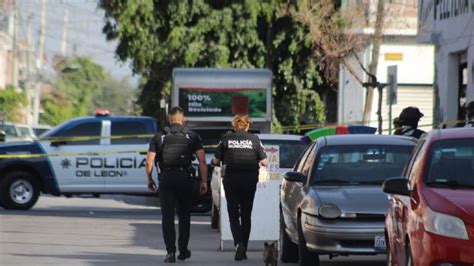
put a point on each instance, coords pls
(379, 243)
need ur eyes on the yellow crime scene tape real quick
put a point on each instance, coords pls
(87, 138)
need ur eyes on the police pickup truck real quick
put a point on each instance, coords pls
(90, 155)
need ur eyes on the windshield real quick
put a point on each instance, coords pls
(290, 150)
(359, 164)
(451, 164)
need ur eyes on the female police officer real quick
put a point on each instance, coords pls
(240, 153)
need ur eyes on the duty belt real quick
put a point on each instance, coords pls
(180, 168)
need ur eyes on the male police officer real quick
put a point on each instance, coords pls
(470, 114)
(173, 151)
(408, 119)
(241, 153)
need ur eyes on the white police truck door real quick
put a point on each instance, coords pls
(75, 167)
(127, 157)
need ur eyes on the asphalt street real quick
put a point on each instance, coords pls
(113, 230)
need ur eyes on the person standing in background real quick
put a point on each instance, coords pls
(408, 120)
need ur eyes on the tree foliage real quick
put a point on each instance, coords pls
(157, 36)
(80, 88)
(79, 80)
(12, 102)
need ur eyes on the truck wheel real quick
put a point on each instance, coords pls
(306, 257)
(288, 249)
(214, 217)
(19, 190)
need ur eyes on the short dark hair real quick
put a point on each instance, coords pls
(175, 110)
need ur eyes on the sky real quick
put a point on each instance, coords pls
(84, 32)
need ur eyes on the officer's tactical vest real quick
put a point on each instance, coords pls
(240, 153)
(176, 148)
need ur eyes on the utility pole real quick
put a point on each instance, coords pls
(36, 104)
(64, 39)
(376, 43)
(16, 25)
(29, 76)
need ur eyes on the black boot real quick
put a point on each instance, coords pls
(183, 255)
(170, 257)
(240, 252)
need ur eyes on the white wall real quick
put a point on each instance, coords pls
(416, 68)
(451, 36)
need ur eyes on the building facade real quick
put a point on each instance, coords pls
(414, 61)
(449, 26)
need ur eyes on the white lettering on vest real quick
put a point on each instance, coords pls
(240, 144)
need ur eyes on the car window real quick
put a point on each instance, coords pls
(290, 150)
(301, 161)
(10, 131)
(24, 131)
(451, 163)
(87, 129)
(124, 128)
(415, 154)
(359, 164)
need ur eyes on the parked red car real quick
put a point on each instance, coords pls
(430, 221)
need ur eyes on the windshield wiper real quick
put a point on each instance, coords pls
(372, 182)
(450, 184)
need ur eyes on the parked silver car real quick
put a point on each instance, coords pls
(332, 202)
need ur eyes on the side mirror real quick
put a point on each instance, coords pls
(295, 177)
(3, 136)
(56, 143)
(397, 186)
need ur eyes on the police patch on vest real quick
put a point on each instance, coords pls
(240, 144)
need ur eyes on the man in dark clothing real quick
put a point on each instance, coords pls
(408, 119)
(173, 151)
(241, 152)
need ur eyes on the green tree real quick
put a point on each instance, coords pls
(79, 79)
(56, 108)
(12, 102)
(80, 88)
(114, 95)
(157, 36)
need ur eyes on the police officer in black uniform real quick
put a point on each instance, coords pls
(173, 151)
(470, 114)
(408, 119)
(241, 153)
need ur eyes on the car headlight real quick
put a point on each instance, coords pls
(329, 211)
(444, 225)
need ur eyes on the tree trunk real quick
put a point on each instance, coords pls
(376, 42)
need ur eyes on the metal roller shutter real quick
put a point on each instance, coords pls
(419, 96)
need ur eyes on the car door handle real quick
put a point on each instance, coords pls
(143, 152)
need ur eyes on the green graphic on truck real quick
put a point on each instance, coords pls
(226, 102)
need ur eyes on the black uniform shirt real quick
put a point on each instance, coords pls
(256, 143)
(155, 142)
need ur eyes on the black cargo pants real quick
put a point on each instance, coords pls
(175, 187)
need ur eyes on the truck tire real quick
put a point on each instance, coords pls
(306, 257)
(19, 190)
(214, 217)
(288, 249)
